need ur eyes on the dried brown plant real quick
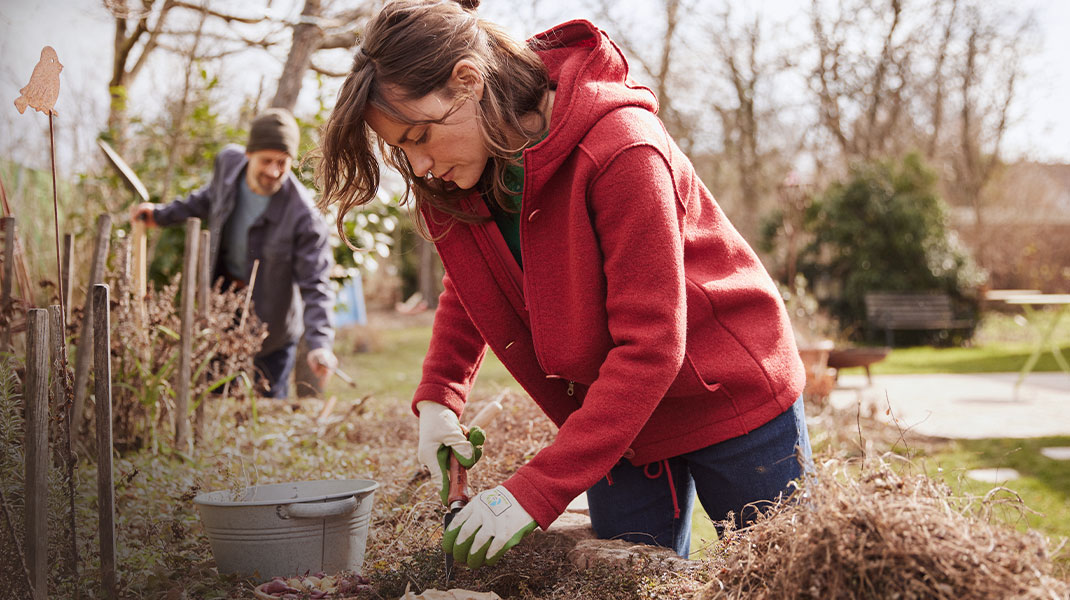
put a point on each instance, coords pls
(145, 353)
(863, 529)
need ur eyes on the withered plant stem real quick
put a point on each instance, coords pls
(15, 542)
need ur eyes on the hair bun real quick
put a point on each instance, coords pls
(469, 5)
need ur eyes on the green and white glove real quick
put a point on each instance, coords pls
(440, 429)
(486, 527)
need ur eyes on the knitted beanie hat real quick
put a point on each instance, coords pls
(274, 129)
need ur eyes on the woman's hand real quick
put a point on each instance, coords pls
(486, 527)
(439, 427)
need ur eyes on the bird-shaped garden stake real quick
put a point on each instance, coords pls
(43, 89)
(41, 94)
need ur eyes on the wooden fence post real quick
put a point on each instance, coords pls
(61, 429)
(204, 285)
(9, 275)
(37, 460)
(183, 440)
(68, 275)
(204, 272)
(140, 251)
(85, 338)
(105, 489)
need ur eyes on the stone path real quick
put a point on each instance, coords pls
(961, 406)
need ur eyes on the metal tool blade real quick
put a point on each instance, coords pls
(456, 499)
(125, 172)
(446, 520)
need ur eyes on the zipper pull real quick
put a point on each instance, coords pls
(571, 388)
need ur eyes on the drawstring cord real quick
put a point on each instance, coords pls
(663, 467)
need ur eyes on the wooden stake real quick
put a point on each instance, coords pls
(248, 295)
(37, 460)
(85, 339)
(141, 288)
(21, 272)
(105, 488)
(204, 271)
(183, 440)
(61, 409)
(204, 278)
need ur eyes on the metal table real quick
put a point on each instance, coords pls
(1029, 302)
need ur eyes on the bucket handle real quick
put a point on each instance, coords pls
(316, 510)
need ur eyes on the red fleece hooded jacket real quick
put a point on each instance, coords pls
(642, 324)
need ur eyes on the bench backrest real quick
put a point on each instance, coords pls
(905, 308)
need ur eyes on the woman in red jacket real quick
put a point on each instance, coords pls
(580, 246)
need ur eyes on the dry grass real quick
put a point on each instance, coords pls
(861, 529)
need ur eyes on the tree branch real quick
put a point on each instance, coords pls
(154, 38)
(339, 40)
(327, 72)
(219, 15)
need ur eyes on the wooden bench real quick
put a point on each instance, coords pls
(913, 311)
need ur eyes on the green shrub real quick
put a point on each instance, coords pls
(885, 229)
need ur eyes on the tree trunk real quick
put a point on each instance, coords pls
(306, 40)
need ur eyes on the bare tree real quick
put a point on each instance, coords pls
(737, 56)
(137, 35)
(660, 66)
(988, 76)
(140, 31)
(318, 30)
(861, 92)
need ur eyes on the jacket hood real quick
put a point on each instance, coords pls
(590, 75)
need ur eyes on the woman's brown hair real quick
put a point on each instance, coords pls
(411, 48)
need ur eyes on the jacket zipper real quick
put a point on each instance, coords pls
(571, 388)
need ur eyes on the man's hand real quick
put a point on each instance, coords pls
(486, 527)
(439, 427)
(322, 361)
(143, 212)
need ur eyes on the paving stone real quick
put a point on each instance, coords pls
(1057, 452)
(993, 476)
(609, 553)
(573, 529)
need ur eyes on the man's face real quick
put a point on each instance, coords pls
(267, 170)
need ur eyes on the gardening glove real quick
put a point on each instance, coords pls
(322, 361)
(486, 527)
(476, 437)
(440, 427)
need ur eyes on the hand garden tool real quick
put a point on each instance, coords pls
(137, 228)
(345, 378)
(457, 494)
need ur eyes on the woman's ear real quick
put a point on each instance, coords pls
(466, 77)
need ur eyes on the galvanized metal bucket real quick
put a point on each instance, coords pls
(286, 529)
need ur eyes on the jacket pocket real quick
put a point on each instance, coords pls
(689, 382)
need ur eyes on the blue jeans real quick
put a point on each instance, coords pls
(273, 370)
(737, 476)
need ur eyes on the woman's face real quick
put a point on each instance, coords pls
(452, 150)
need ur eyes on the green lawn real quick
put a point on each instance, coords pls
(1001, 344)
(997, 357)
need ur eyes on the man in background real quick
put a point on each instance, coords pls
(257, 210)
